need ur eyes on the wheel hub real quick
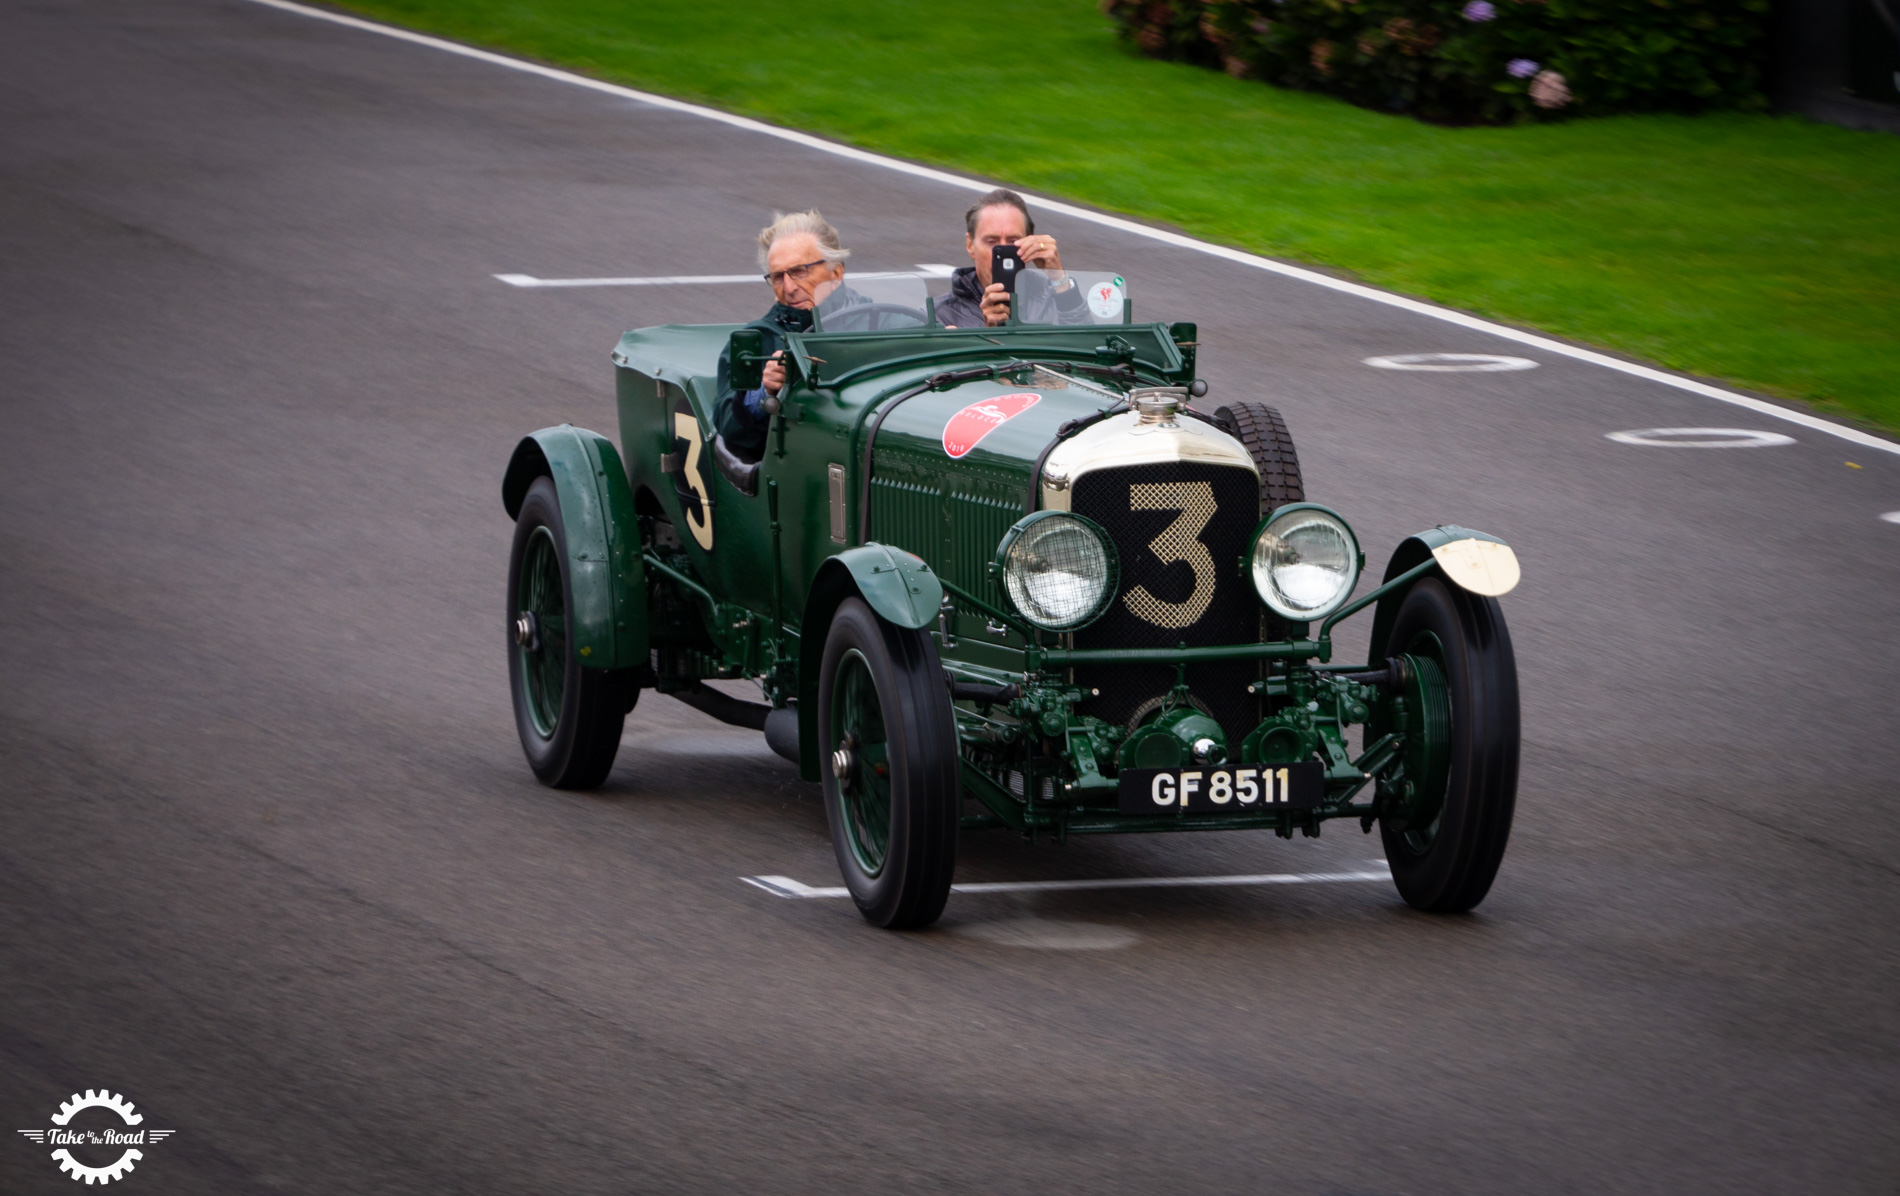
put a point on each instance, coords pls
(525, 629)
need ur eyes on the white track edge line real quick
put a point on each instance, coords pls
(1179, 240)
(785, 886)
(659, 280)
(668, 280)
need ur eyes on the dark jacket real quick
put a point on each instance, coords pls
(742, 425)
(738, 416)
(963, 306)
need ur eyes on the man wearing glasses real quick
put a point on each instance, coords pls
(1047, 295)
(803, 261)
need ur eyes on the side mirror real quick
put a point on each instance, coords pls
(747, 357)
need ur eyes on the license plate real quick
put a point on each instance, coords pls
(1281, 786)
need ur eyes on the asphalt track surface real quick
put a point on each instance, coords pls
(271, 864)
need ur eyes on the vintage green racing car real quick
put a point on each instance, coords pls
(1006, 577)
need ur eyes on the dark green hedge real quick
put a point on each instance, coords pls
(1482, 61)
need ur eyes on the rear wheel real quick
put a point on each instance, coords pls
(1445, 840)
(889, 767)
(569, 718)
(1264, 432)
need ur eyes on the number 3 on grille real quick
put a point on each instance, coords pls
(1181, 541)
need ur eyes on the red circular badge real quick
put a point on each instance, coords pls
(968, 427)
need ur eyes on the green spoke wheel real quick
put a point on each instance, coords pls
(889, 766)
(569, 717)
(866, 794)
(1445, 840)
(541, 598)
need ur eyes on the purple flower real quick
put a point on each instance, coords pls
(1479, 10)
(1521, 68)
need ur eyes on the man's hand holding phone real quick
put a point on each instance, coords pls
(1005, 264)
(1039, 250)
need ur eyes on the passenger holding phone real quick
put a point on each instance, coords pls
(1000, 238)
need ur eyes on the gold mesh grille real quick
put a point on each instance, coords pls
(1230, 616)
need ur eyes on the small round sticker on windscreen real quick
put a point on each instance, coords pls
(1105, 299)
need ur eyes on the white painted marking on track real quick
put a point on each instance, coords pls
(1892, 516)
(1700, 438)
(1481, 363)
(682, 280)
(1121, 223)
(785, 886)
(664, 280)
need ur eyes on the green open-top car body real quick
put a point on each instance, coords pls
(1006, 577)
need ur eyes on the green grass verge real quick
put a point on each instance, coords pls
(1762, 250)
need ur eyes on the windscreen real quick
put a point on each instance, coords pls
(883, 301)
(1105, 296)
(874, 302)
(1077, 297)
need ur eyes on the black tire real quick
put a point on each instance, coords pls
(1268, 442)
(872, 665)
(1263, 431)
(1448, 865)
(571, 740)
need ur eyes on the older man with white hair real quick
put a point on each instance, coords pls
(803, 260)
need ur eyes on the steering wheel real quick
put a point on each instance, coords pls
(865, 317)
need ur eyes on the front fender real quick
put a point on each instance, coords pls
(1492, 572)
(898, 586)
(605, 569)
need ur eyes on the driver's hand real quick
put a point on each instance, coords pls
(995, 305)
(775, 374)
(1040, 252)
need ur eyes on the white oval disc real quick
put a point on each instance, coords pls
(1700, 438)
(1483, 363)
(1481, 566)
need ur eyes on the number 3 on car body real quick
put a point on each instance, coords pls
(686, 428)
(1179, 541)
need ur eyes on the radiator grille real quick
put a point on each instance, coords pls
(908, 515)
(1200, 516)
(977, 525)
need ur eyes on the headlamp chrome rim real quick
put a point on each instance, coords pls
(1283, 521)
(1012, 563)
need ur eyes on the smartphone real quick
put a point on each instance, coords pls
(1003, 266)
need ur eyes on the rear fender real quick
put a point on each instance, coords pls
(1457, 555)
(898, 586)
(605, 568)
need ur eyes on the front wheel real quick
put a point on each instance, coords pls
(569, 718)
(888, 741)
(1262, 429)
(1445, 845)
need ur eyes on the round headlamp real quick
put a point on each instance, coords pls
(1304, 562)
(1058, 569)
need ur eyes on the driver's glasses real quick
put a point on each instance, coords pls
(796, 273)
